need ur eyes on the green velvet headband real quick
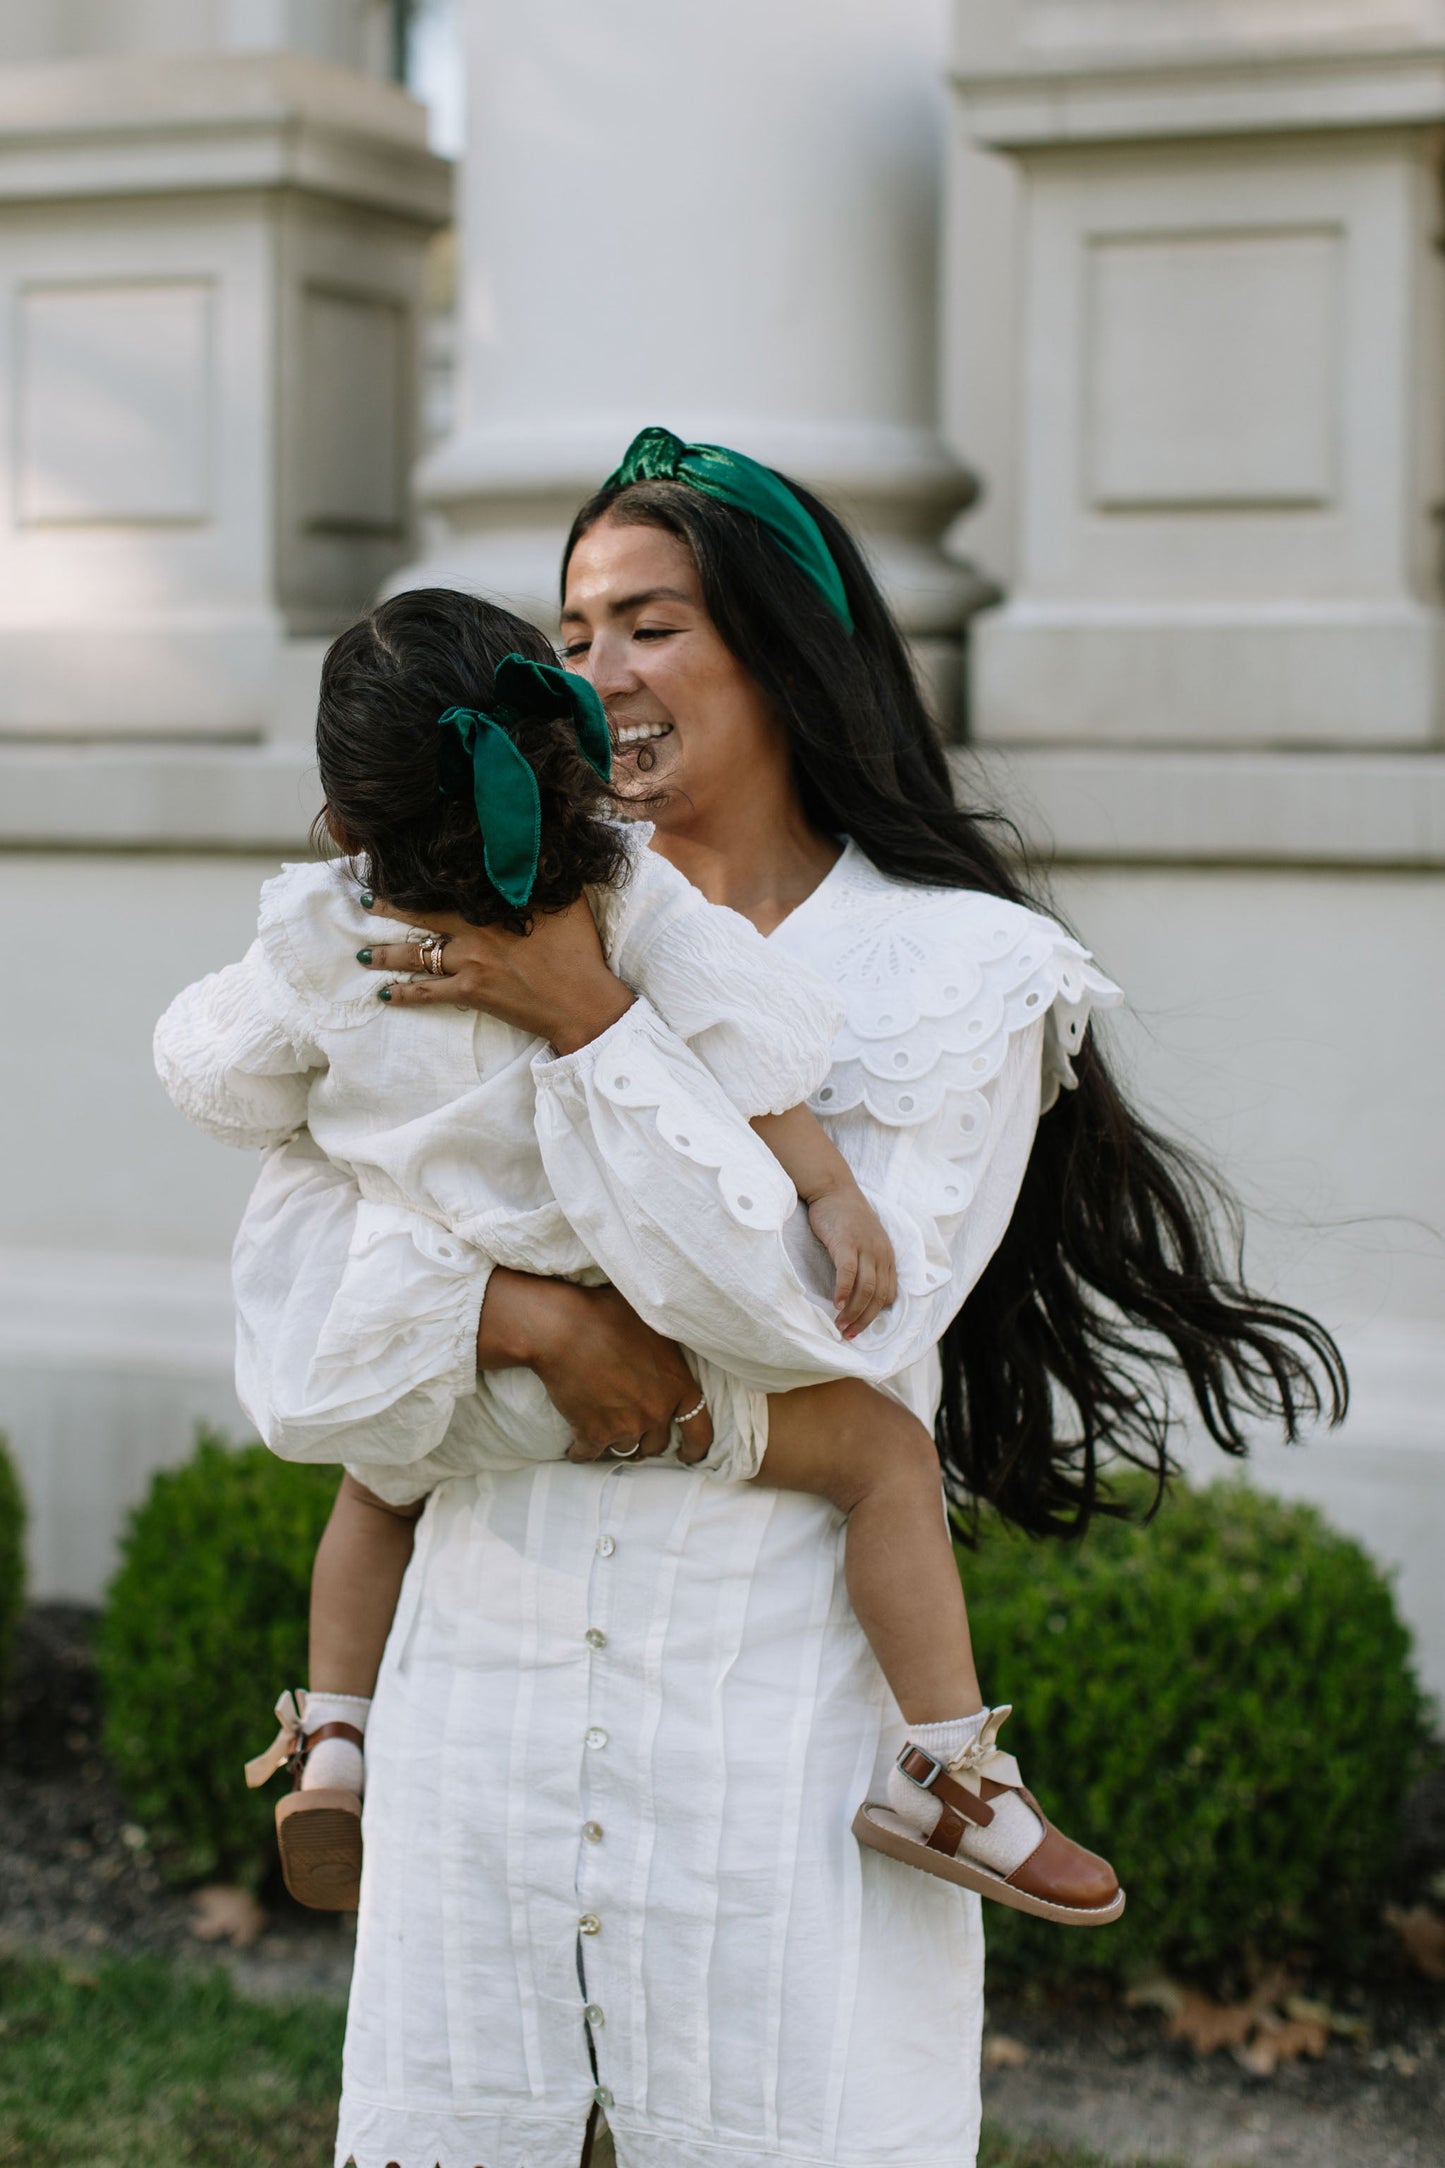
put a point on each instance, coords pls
(656, 455)
(504, 788)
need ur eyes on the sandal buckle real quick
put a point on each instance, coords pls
(935, 1767)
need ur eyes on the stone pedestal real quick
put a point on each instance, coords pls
(721, 221)
(354, 33)
(209, 398)
(1228, 417)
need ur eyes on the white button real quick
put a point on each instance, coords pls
(595, 1735)
(606, 1545)
(602, 2097)
(592, 1831)
(596, 1638)
(590, 1924)
(593, 2014)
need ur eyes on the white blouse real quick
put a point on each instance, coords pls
(625, 1714)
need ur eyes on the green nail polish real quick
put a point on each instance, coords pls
(363, 956)
(368, 898)
(384, 994)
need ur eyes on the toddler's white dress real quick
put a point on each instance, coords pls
(626, 1714)
(433, 1110)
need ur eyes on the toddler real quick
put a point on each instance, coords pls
(464, 773)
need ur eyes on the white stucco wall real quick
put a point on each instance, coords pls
(1288, 1023)
(116, 1218)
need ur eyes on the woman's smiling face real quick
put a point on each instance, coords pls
(687, 719)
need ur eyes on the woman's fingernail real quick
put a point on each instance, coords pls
(363, 956)
(368, 898)
(383, 993)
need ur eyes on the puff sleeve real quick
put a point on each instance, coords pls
(233, 1053)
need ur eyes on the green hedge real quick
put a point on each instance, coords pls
(1221, 1702)
(205, 1623)
(12, 1564)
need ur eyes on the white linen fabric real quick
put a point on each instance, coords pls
(625, 1714)
(435, 1115)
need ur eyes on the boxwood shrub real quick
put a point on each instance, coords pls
(12, 1565)
(1221, 1702)
(205, 1623)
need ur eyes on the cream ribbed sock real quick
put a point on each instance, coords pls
(335, 1765)
(946, 1740)
(1015, 1831)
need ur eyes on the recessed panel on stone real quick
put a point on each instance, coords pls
(114, 403)
(1212, 365)
(353, 414)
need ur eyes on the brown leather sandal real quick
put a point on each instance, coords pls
(318, 1833)
(989, 1834)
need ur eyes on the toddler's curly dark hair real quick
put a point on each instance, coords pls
(398, 790)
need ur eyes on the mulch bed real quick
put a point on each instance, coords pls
(78, 1873)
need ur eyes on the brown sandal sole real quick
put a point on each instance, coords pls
(884, 1832)
(318, 1834)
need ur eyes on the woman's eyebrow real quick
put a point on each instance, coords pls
(624, 603)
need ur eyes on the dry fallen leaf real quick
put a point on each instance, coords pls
(1282, 2041)
(1422, 1938)
(1208, 2025)
(1001, 2052)
(223, 1913)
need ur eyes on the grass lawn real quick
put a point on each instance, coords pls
(133, 2063)
(137, 2064)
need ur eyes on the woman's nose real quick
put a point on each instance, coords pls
(606, 664)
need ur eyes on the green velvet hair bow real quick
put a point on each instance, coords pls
(656, 455)
(504, 787)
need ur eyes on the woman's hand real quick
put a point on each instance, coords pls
(553, 981)
(614, 1380)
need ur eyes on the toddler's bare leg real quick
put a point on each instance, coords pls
(875, 1462)
(360, 1564)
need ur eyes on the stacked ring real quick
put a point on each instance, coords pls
(431, 955)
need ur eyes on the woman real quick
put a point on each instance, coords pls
(625, 1714)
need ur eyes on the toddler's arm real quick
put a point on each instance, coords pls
(865, 1271)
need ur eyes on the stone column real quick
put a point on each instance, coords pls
(722, 220)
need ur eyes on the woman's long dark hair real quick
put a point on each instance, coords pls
(1123, 1263)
